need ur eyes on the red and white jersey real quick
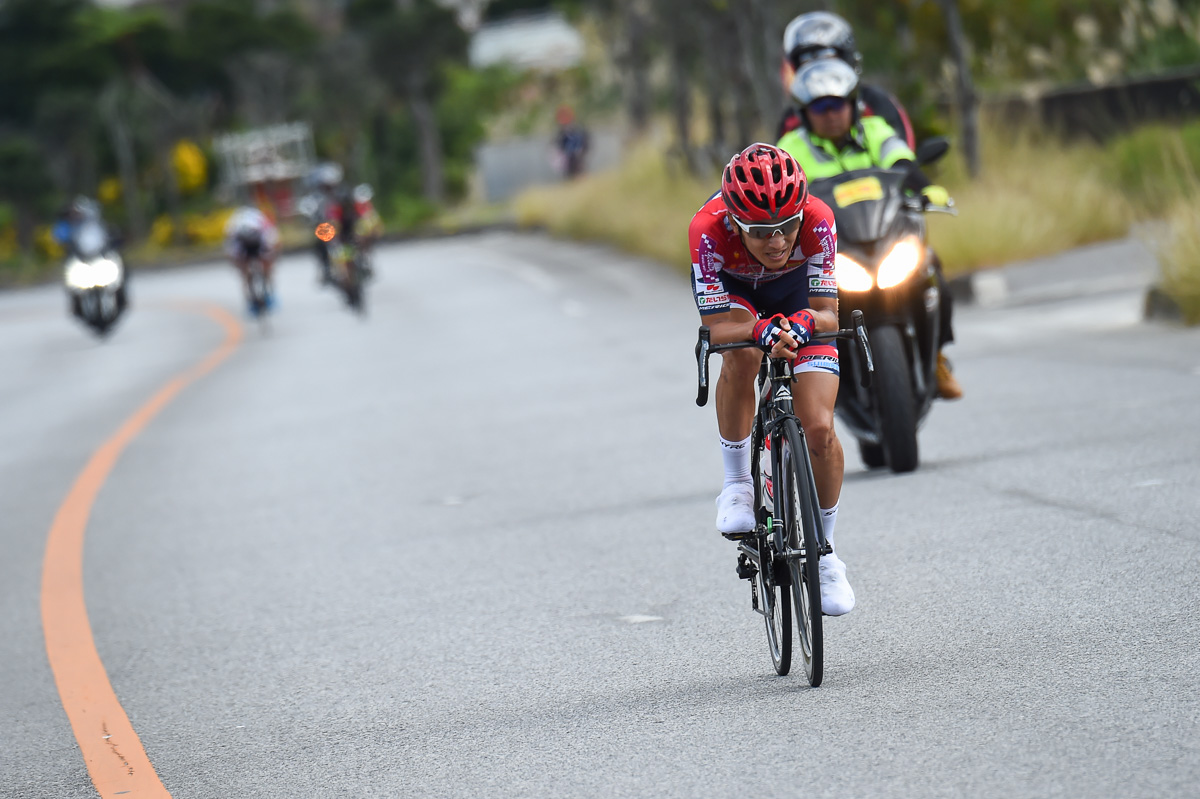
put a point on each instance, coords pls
(718, 252)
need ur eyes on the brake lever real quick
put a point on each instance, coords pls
(702, 345)
(864, 348)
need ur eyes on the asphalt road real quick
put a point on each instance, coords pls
(464, 548)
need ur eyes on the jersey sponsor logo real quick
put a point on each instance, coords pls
(822, 282)
(711, 261)
(718, 299)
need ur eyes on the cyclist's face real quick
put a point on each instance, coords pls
(772, 253)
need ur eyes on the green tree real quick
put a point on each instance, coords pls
(410, 47)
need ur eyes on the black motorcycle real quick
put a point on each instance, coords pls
(94, 277)
(886, 269)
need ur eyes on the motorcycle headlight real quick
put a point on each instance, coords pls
(92, 274)
(850, 274)
(78, 274)
(901, 262)
(105, 272)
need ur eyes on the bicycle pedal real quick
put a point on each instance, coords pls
(745, 569)
(738, 536)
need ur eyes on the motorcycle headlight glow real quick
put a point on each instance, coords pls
(901, 262)
(850, 274)
(92, 274)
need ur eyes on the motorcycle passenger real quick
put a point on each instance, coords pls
(836, 137)
(250, 234)
(821, 34)
(764, 247)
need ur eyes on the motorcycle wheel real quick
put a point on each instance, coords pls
(894, 397)
(873, 456)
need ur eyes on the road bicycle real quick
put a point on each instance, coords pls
(781, 555)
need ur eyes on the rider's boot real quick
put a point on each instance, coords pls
(947, 383)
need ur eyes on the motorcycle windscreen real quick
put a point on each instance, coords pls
(864, 202)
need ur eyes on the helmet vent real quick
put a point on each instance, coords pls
(757, 174)
(741, 173)
(776, 173)
(782, 199)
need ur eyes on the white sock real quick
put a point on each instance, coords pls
(736, 455)
(828, 519)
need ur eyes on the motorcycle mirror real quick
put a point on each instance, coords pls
(932, 149)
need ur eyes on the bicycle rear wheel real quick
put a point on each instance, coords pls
(795, 490)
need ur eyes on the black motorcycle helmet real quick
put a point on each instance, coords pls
(825, 77)
(819, 34)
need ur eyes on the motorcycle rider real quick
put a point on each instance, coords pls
(821, 34)
(351, 213)
(83, 214)
(836, 137)
(250, 234)
(763, 246)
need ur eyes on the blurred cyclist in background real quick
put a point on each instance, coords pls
(820, 34)
(249, 234)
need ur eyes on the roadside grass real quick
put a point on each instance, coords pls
(1179, 256)
(643, 207)
(1035, 198)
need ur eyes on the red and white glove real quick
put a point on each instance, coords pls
(767, 331)
(803, 324)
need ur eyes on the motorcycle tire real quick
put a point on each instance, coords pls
(894, 399)
(873, 456)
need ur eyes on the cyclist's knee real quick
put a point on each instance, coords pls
(821, 437)
(740, 366)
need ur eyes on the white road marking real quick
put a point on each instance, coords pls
(639, 619)
(1149, 483)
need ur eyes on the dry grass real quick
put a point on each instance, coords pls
(1035, 198)
(643, 207)
(1180, 257)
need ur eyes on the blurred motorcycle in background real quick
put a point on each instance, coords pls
(94, 274)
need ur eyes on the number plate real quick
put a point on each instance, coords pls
(857, 191)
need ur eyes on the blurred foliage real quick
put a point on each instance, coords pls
(122, 104)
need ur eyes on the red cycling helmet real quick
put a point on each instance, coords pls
(763, 184)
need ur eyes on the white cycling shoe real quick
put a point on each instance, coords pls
(735, 508)
(837, 597)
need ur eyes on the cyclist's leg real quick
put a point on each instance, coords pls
(813, 399)
(735, 387)
(736, 402)
(814, 395)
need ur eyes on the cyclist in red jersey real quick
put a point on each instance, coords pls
(763, 270)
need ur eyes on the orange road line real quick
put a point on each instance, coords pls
(114, 756)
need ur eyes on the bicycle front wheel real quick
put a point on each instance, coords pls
(775, 605)
(795, 490)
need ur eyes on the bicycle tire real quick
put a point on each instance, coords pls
(775, 603)
(773, 597)
(795, 492)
